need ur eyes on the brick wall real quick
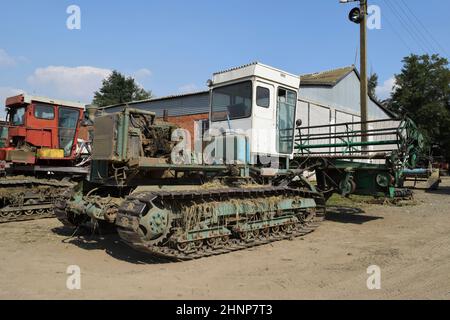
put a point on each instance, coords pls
(187, 122)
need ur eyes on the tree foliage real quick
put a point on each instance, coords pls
(118, 89)
(422, 92)
(372, 85)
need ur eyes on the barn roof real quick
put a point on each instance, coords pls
(154, 99)
(329, 78)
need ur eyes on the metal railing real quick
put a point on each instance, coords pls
(344, 140)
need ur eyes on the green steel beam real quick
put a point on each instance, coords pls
(349, 144)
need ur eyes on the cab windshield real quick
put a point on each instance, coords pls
(232, 102)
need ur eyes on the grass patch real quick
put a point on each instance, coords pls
(353, 200)
(356, 200)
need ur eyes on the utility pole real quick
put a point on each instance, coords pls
(359, 16)
(363, 66)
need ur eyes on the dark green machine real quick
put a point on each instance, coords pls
(346, 163)
(184, 211)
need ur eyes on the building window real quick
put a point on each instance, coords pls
(43, 111)
(205, 127)
(262, 97)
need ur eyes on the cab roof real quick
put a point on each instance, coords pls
(258, 70)
(28, 99)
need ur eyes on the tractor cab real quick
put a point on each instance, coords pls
(257, 104)
(39, 129)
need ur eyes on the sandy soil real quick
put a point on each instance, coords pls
(410, 244)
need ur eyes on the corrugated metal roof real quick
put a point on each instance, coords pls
(326, 78)
(185, 104)
(237, 68)
(132, 103)
(254, 64)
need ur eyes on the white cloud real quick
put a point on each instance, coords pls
(142, 74)
(72, 83)
(188, 88)
(384, 91)
(6, 92)
(6, 60)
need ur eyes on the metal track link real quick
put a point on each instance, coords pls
(40, 205)
(131, 209)
(26, 214)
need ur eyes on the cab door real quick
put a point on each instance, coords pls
(41, 125)
(286, 110)
(263, 132)
(68, 119)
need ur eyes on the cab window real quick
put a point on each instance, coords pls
(44, 111)
(262, 97)
(18, 116)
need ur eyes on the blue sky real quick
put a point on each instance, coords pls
(174, 46)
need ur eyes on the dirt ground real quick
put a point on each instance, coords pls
(411, 245)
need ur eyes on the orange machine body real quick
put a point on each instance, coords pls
(41, 130)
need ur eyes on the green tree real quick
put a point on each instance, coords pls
(372, 85)
(118, 89)
(422, 92)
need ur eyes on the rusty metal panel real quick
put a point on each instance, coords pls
(19, 156)
(10, 101)
(105, 135)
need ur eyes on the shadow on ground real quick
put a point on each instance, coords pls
(351, 215)
(110, 243)
(440, 190)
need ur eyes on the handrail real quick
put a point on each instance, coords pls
(348, 123)
(345, 139)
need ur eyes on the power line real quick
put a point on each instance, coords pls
(414, 25)
(405, 26)
(398, 34)
(425, 28)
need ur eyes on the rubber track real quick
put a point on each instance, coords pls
(133, 239)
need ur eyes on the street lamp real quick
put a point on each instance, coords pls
(355, 16)
(359, 16)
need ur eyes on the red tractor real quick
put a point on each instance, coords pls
(43, 147)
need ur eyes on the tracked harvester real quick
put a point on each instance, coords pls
(43, 153)
(243, 192)
(348, 161)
